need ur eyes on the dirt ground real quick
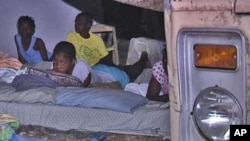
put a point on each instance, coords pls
(56, 135)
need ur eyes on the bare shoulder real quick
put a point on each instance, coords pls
(39, 41)
(39, 44)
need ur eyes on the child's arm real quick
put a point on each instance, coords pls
(40, 46)
(154, 89)
(87, 81)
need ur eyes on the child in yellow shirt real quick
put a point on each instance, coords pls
(91, 48)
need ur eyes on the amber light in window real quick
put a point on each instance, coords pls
(215, 56)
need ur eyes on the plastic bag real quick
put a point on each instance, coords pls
(151, 46)
(8, 125)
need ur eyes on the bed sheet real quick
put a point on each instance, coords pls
(38, 107)
(151, 119)
(112, 99)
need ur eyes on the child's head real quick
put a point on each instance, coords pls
(64, 57)
(83, 22)
(26, 26)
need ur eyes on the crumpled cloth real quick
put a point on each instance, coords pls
(7, 61)
(8, 74)
(140, 89)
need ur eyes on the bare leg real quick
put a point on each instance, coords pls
(136, 69)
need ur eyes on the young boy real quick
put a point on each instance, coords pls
(91, 48)
(64, 61)
(30, 49)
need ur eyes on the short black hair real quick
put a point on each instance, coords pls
(27, 19)
(66, 48)
(87, 16)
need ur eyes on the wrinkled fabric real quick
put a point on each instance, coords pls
(27, 81)
(136, 88)
(112, 99)
(61, 78)
(8, 74)
(7, 61)
(118, 74)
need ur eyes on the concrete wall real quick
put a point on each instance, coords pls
(53, 18)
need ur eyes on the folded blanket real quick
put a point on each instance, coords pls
(61, 78)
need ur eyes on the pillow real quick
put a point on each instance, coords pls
(61, 78)
(113, 99)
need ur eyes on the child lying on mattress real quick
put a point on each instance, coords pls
(64, 61)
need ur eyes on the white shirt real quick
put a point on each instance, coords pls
(81, 70)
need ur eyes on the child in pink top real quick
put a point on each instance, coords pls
(159, 81)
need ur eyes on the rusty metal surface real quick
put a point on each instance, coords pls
(156, 5)
(179, 5)
(201, 5)
(242, 6)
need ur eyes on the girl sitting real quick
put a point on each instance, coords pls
(30, 49)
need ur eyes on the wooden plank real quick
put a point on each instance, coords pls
(101, 28)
